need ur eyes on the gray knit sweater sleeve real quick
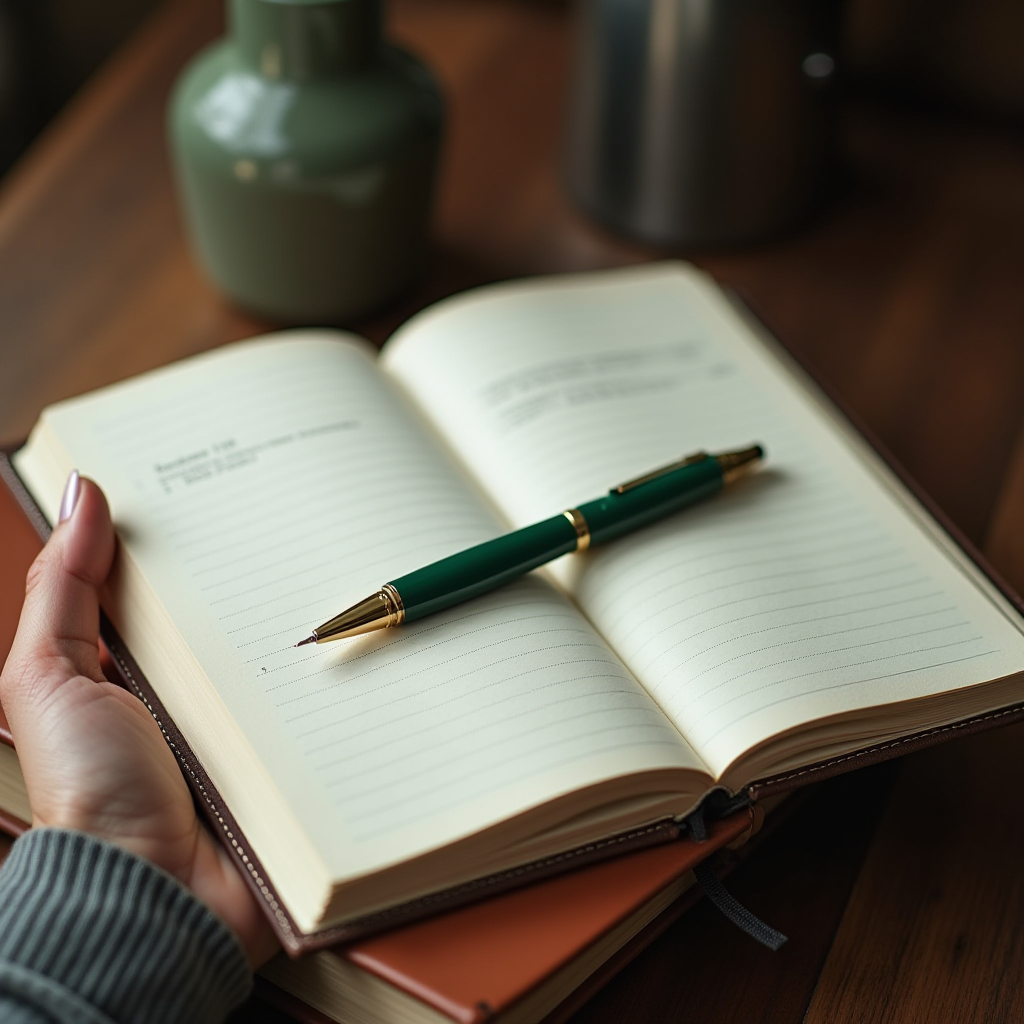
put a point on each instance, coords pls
(90, 933)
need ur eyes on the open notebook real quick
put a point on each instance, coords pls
(810, 612)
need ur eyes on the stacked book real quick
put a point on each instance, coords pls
(414, 793)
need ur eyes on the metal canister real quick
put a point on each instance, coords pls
(702, 122)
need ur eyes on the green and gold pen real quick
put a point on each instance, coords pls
(486, 566)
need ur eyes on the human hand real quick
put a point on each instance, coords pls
(92, 755)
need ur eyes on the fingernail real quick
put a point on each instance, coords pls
(70, 499)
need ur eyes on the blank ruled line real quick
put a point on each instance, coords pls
(293, 611)
(349, 681)
(326, 582)
(437, 534)
(786, 590)
(547, 667)
(814, 637)
(421, 652)
(485, 783)
(399, 785)
(722, 570)
(444, 514)
(718, 518)
(305, 489)
(853, 682)
(297, 656)
(411, 753)
(429, 729)
(835, 668)
(423, 812)
(333, 577)
(259, 571)
(807, 656)
(334, 498)
(397, 680)
(320, 584)
(251, 543)
(631, 563)
(312, 539)
(316, 566)
(309, 486)
(804, 549)
(788, 624)
(291, 630)
(376, 464)
(848, 595)
(289, 649)
(747, 581)
(389, 475)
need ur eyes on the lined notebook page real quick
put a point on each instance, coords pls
(806, 591)
(265, 487)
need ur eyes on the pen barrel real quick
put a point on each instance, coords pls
(616, 514)
(485, 567)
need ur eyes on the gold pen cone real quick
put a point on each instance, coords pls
(379, 611)
(736, 464)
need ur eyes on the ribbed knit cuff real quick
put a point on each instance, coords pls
(90, 932)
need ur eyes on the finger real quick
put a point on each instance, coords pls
(59, 627)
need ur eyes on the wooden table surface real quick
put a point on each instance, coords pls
(901, 887)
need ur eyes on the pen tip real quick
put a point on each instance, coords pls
(308, 640)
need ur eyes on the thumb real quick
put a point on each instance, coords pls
(58, 634)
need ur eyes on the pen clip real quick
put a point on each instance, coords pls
(655, 473)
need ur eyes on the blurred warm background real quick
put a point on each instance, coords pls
(960, 56)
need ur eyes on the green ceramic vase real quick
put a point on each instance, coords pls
(305, 148)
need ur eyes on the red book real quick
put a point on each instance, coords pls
(529, 955)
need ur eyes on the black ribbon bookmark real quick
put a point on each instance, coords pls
(723, 899)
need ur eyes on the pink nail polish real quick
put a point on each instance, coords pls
(70, 499)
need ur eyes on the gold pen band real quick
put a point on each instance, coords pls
(579, 524)
(393, 601)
